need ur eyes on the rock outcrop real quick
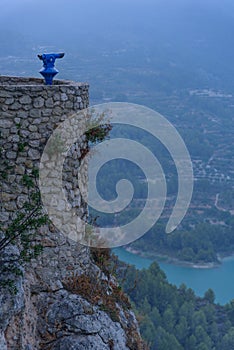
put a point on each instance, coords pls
(62, 307)
(63, 299)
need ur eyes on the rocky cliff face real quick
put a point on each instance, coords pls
(63, 300)
(66, 307)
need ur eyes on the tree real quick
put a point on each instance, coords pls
(181, 330)
(191, 343)
(147, 330)
(18, 244)
(210, 296)
(228, 340)
(165, 341)
(187, 310)
(203, 346)
(202, 336)
(230, 310)
(199, 319)
(155, 317)
(168, 319)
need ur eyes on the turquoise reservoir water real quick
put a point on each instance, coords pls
(220, 279)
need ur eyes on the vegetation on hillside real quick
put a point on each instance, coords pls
(174, 318)
(201, 244)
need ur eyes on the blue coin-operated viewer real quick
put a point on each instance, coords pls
(49, 71)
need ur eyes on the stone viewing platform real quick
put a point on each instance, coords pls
(63, 93)
(29, 113)
(11, 80)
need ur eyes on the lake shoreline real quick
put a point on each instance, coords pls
(199, 279)
(174, 261)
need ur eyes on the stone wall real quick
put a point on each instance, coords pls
(44, 314)
(30, 112)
